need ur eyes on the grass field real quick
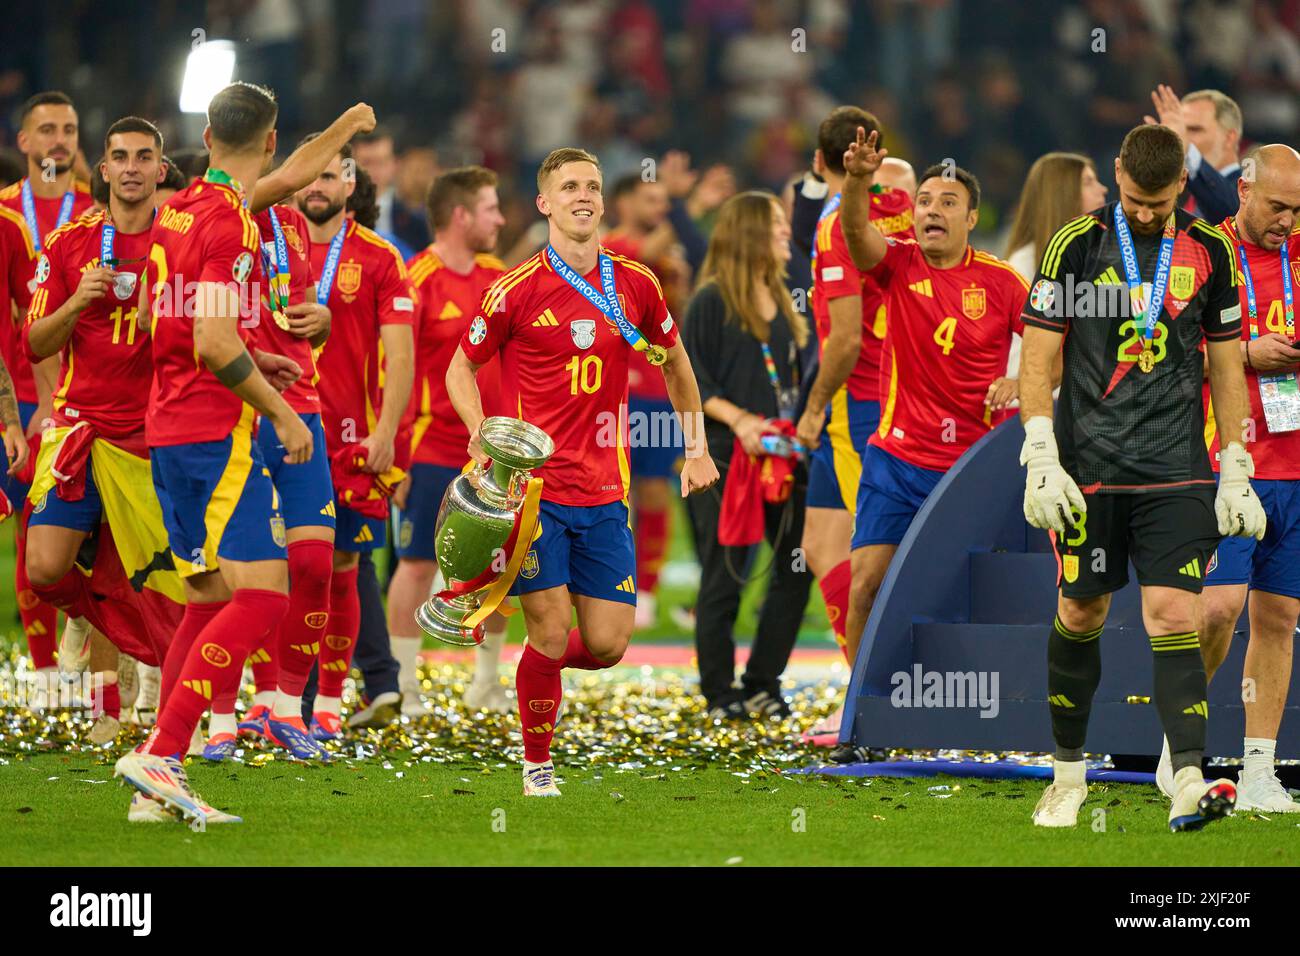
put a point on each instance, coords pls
(646, 781)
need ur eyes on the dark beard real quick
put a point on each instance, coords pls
(321, 215)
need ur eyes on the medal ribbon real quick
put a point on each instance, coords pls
(326, 284)
(29, 212)
(224, 179)
(1252, 310)
(106, 237)
(1131, 272)
(607, 303)
(279, 270)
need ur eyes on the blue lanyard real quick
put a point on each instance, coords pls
(1252, 310)
(832, 204)
(608, 303)
(331, 266)
(1152, 309)
(29, 212)
(106, 236)
(277, 272)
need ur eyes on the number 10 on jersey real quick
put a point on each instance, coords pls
(584, 373)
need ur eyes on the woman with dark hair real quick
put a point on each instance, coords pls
(743, 335)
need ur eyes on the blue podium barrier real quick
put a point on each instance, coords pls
(954, 654)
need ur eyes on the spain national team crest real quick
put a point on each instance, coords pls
(530, 568)
(1070, 568)
(277, 531)
(1182, 282)
(292, 238)
(583, 332)
(405, 533)
(973, 303)
(350, 277)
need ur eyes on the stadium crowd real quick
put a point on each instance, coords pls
(385, 300)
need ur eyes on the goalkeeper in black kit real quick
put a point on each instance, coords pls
(1123, 475)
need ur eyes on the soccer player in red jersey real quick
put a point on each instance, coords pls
(1265, 233)
(952, 312)
(567, 322)
(644, 234)
(449, 277)
(365, 373)
(84, 312)
(843, 405)
(223, 521)
(47, 197)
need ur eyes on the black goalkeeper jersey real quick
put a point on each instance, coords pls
(1121, 429)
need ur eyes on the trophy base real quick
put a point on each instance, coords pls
(434, 621)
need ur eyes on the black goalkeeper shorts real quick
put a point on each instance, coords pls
(1169, 537)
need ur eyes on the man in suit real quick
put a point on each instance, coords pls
(1209, 123)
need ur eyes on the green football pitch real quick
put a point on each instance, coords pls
(646, 781)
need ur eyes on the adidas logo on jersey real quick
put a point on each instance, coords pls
(924, 287)
(1109, 277)
(450, 311)
(1192, 568)
(201, 687)
(627, 586)
(328, 510)
(364, 535)
(546, 320)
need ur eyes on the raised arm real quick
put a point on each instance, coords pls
(861, 160)
(306, 162)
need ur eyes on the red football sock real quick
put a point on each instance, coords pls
(214, 664)
(311, 565)
(651, 547)
(105, 698)
(835, 592)
(577, 655)
(340, 633)
(195, 619)
(537, 682)
(40, 620)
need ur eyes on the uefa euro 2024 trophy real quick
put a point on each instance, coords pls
(485, 526)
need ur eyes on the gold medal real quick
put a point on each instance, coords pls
(656, 355)
(1147, 360)
(281, 319)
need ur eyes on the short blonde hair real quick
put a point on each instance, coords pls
(558, 158)
(1226, 110)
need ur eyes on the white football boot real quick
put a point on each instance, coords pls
(146, 701)
(128, 681)
(104, 730)
(1060, 802)
(1198, 803)
(148, 810)
(1165, 771)
(539, 779)
(163, 779)
(1263, 792)
(488, 695)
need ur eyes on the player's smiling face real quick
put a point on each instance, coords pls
(51, 133)
(132, 167)
(573, 200)
(943, 217)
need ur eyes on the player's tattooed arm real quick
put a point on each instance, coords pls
(8, 402)
(861, 160)
(308, 161)
(15, 442)
(462, 389)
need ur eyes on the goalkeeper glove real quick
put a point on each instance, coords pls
(1236, 505)
(1050, 493)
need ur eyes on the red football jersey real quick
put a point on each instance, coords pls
(370, 290)
(570, 364)
(204, 233)
(301, 395)
(948, 338)
(106, 367)
(1276, 456)
(835, 276)
(448, 302)
(17, 262)
(643, 379)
